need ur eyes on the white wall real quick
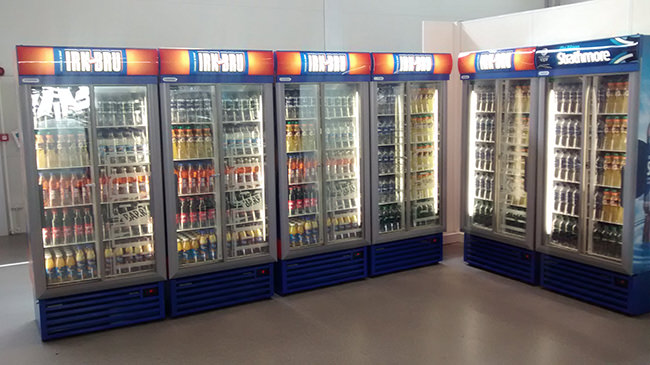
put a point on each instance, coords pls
(363, 25)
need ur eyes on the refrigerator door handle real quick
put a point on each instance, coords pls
(622, 185)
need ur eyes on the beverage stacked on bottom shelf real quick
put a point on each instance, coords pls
(198, 246)
(70, 264)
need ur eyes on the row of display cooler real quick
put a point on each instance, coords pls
(168, 182)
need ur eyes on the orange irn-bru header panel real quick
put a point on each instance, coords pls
(298, 66)
(81, 61)
(216, 62)
(498, 61)
(411, 66)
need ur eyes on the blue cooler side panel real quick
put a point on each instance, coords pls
(220, 289)
(609, 289)
(405, 254)
(91, 312)
(320, 270)
(511, 261)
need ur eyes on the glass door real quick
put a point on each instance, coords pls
(512, 156)
(391, 157)
(424, 152)
(481, 153)
(341, 139)
(123, 157)
(246, 214)
(565, 157)
(195, 162)
(607, 153)
(61, 122)
(303, 149)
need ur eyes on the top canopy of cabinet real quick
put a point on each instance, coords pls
(411, 66)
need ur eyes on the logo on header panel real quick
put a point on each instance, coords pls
(90, 61)
(613, 51)
(413, 63)
(220, 62)
(494, 61)
(326, 63)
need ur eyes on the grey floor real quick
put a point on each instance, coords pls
(445, 314)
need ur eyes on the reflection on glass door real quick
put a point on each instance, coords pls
(607, 152)
(124, 170)
(61, 117)
(564, 162)
(192, 122)
(512, 160)
(302, 136)
(424, 144)
(391, 156)
(246, 219)
(341, 160)
(481, 154)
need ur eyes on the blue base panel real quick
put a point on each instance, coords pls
(220, 289)
(609, 289)
(405, 254)
(97, 311)
(320, 270)
(511, 261)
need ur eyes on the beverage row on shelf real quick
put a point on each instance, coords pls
(123, 183)
(568, 98)
(518, 99)
(190, 107)
(342, 195)
(243, 173)
(196, 212)
(612, 133)
(194, 178)
(387, 130)
(64, 148)
(607, 240)
(389, 190)
(67, 226)
(515, 221)
(127, 111)
(248, 241)
(424, 212)
(70, 264)
(607, 206)
(423, 185)
(568, 132)
(244, 207)
(241, 107)
(484, 156)
(609, 169)
(303, 232)
(242, 140)
(340, 134)
(485, 128)
(566, 199)
(340, 165)
(303, 199)
(423, 157)
(567, 166)
(301, 136)
(126, 221)
(343, 226)
(197, 246)
(134, 256)
(484, 186)
(423, 129)
(303, 167)
(65, 188)
(386, 161)
(485, 99)
(613, 95)
(422, 100)
(386, 99)
(390, 218)
(122, 146)
(515, 162)
(192, 142)
(565, 231)
(483, 213)
(516, 130)
(299, 105)
(54, 107)
(340, 106)
(515, 187)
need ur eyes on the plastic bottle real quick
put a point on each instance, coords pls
(50, 269)
(62, 273)
(41, 151)
(91, 262)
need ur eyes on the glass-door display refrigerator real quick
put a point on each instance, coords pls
(323, 168)
(93, 172)
(594, 191)
(499, 161)
(407, 118)
(218, 153)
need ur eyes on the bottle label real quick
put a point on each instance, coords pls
(79, 230)
(184, 218)
(203, 217)
(45, 232)
(68, 231)
(211, 214)
(193, 217)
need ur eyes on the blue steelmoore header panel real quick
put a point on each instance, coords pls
(619, 54)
